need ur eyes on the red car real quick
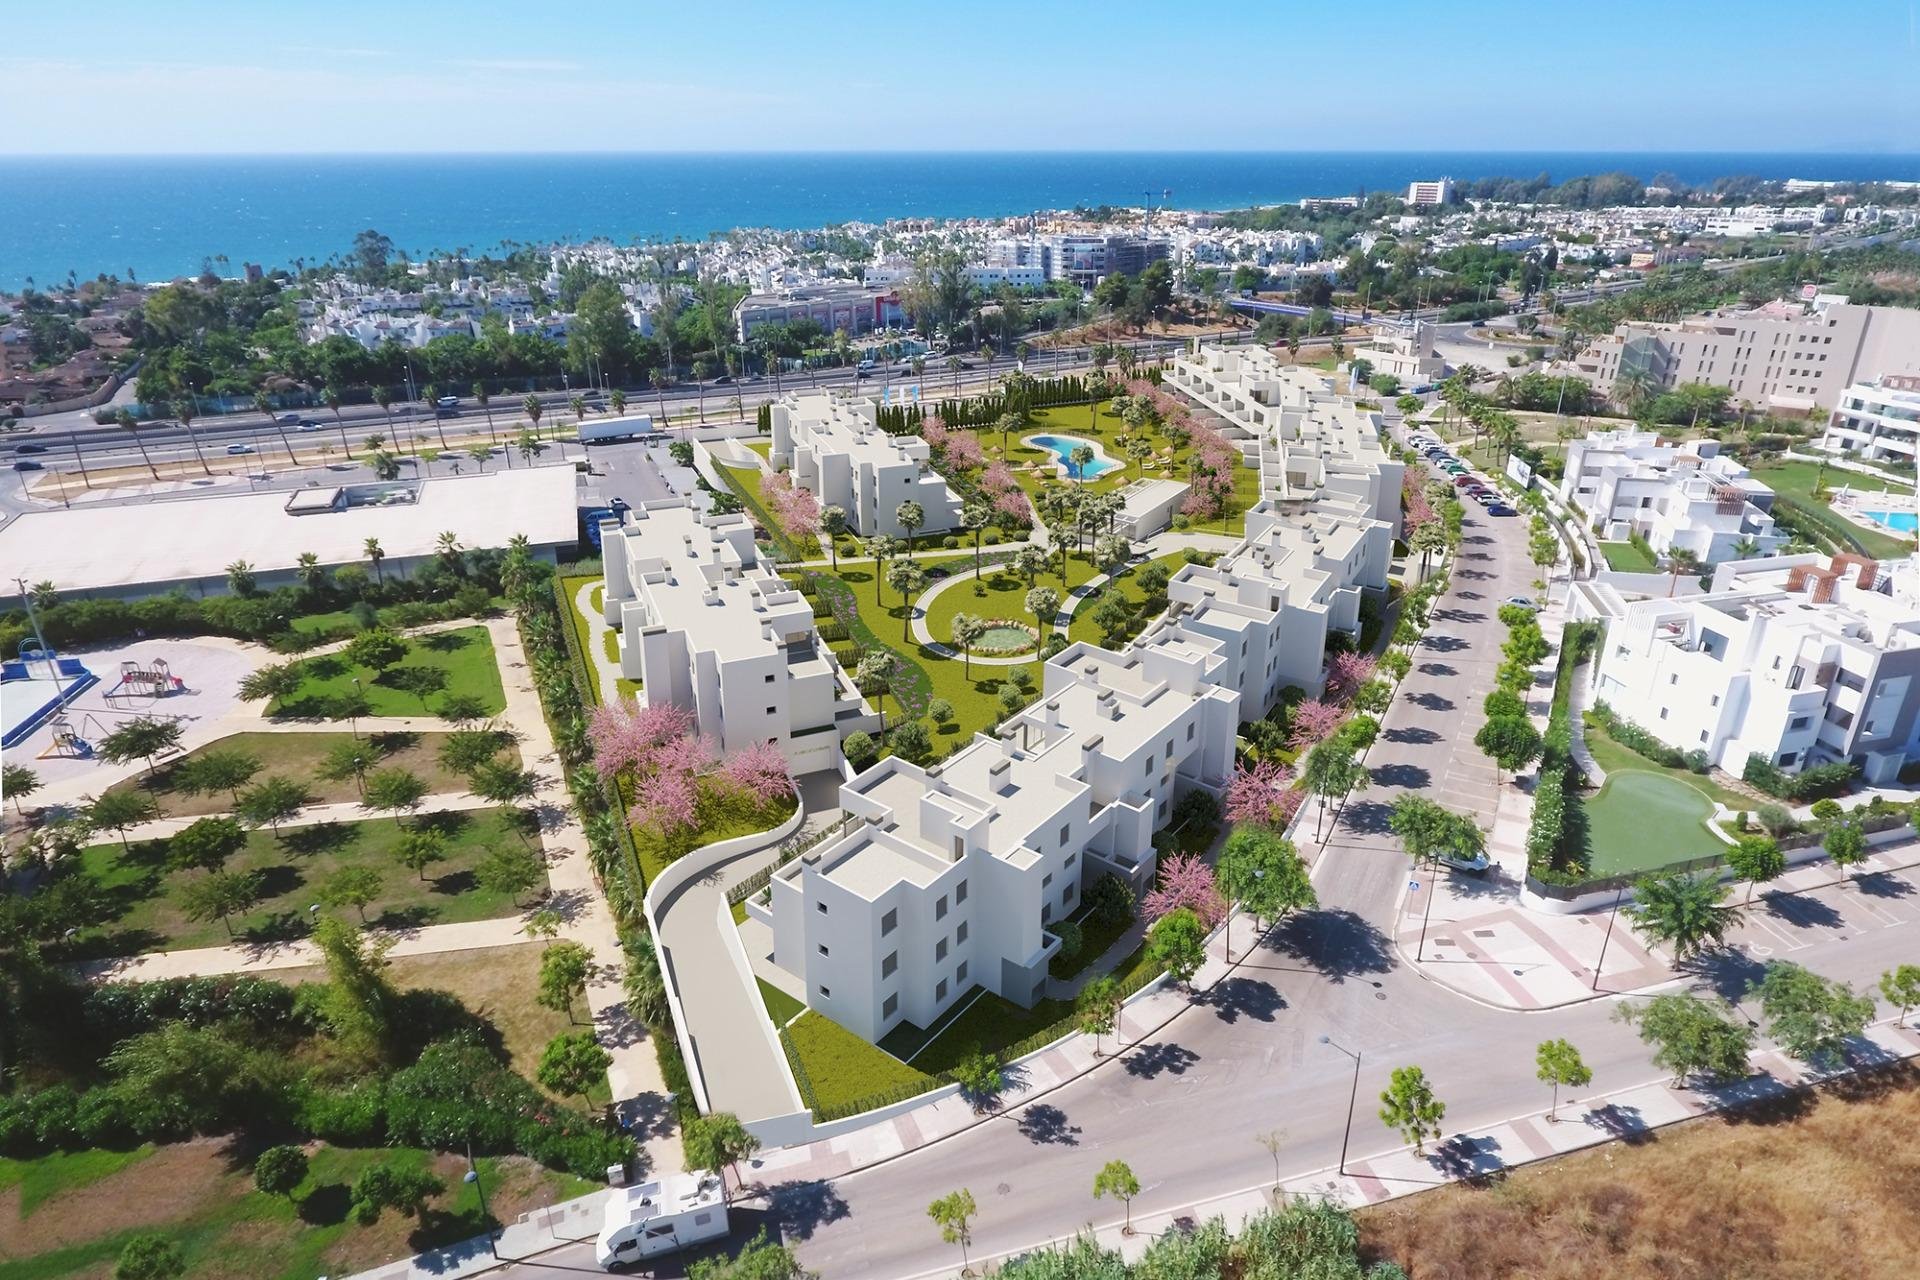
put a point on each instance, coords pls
(1464, 482)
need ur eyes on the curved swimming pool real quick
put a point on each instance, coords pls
(1062, 447)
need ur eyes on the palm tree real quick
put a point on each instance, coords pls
(1689, 913)
(954, 365)
(383, 396)
(1680, 561)
(331, 398)
(448, 547)
(531, 407)
(660, 378)
(1745, 548)
(374, 556)
(484, 399)
(579, 406)
(617, 401)
(1082, 457)
(185, 412)
(132, 424)
(310, 571)
(702, 370)
(429, 396)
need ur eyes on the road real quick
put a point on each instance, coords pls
(1184, 1106)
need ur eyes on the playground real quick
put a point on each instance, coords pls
(56, 733)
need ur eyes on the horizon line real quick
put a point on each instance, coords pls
(956, 151)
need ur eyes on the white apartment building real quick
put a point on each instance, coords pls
(835, 450)
(1877, 420)
(1785, 355)
(1434, 192)
(949, 876)
(852, 307)
(1795, 659)
(703, 625)
(1407, 354)
(1686, 496)
(1310, 441)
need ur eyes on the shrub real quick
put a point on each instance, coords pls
(1775, 820)
(1070, 937)
(949, 542)
(1697, 761)
(1109, 902)
(860, 749)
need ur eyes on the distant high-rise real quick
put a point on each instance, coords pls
(1439, 191)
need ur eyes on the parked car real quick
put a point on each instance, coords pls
(1524, 602)
(1465, 482)
(1501, 509)
(1476, 865)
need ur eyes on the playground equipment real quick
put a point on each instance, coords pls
(66, 742)
(151, 681)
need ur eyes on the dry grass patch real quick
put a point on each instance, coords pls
(1823, 1184)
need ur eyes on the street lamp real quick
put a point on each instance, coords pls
(1611, 917)
(472, 1175)
(1352, 1099)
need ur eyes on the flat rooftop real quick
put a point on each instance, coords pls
(105, 548)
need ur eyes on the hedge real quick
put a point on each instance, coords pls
(1811, 783)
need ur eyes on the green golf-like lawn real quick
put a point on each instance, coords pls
(465, 654)
(1640, 821)
(139, 898)
(1624, 557)
(1083, 627)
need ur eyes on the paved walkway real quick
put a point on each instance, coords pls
(603, 668)
(314, 815)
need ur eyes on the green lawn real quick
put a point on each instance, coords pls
(720, 815)
(341, 621)
(842, 1067)
(1616, 758)
(298, 755)
(1083, 627)
(1799, 481)
(200, 1196)
(465, 654)
(1624, 557)
(1094, 941)
(781, 1007)
(1002, 594)
(140, 895)
(1642, 821)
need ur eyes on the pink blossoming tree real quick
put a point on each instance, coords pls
(1261, 795)
(760, 771)
(1186, 881)
(1310, 722)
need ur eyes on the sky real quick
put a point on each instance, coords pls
(410, 76)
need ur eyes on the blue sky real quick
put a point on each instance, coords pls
(431, 75)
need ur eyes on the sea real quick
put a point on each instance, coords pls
(157, 217)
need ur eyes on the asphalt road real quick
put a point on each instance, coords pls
(1184, 1107)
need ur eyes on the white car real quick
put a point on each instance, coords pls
(238, 449)
(1477, 864)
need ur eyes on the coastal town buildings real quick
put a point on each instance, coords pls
(1878, 420)
(703, 625)
(948, 877)
(854, 308)
(836, 450)
(1678, 496)
(1797, 660)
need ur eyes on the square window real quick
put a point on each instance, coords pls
(889, 922)
(823, 949)
(822, 907)
(1046, 880)
(769, 680)
(960, 893)
(889, 964)
(891, 1005)
(960, 974)
(940, 908)
(940, 991)
(1072, 858)
(960, 934)
(826, 992)
(770, 710)
(1066, 832)
(940, 951)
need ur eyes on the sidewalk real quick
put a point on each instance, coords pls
(317, 814)
(264, 957)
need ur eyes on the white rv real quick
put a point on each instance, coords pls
(658, 1217)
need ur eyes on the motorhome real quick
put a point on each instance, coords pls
(653, 1218)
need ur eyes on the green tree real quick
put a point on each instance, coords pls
(142, 738)
(219, 895)
(343, 760)
(1811, 1017)
(940, 710)
(966, 631)
(1408, 1105)
(1116, 1179)
(116, 811)
(564, 970)
(911, 516)
(1691, 1036)
(879, 547)
(1512, 741)
(833, 523)
(206, 843)
(1756, 859)
(1044, 604)
(358, 1002)
(422, 681)
(212, 771)
(1686, 912)
(393, 790)
(1846, 844)
(1330, 773)
(376, 649)
(645, 986)
(149, 1256)
(1900, 987)
(277, 1171)
(910, 741)
(272, 801)
(510, 870)
(573, 1063)
(716, 1143)
(1557, 1062)
(17, 782)
(1261, 869)
(907, 579)
(392, 1186)
(354, 887)
(1097, 1009)
(1178, 942)
(980, 1079)
(953, 1214)
(274, 681)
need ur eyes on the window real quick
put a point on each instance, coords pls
(1046, 913)
(1189, 733)
(1046, 880)
(888, 922)
(823, 949)
(1072, 858)
(1674, 678)
(940, 908)
(770, 710)
(1663, 713)
(1066, 833)
(940, 992)
(891, 963)
(826, 993)
(890, 1006)
(769, 680)
(1148, 771)
(822, 907)
(1066, 896)
(960, 934)
(960, 893)
(1163, 808)
(940, 950)
(1703, 735)
(960, 974)
(1788, 757)
(1714, 701)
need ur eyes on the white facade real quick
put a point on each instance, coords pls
(949, 876)
(855, 308)
(1794, 659)
(704, 626)
(1877, 420)
(835, 450)
(1434, 191)
(1407, 355)
(1677, 496)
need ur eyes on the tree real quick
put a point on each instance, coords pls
(940, 710)
(278, 1170)
(910, 741)
(17, 782)
(1811, 1017)
(1900, 987)
(1691, 1036)
(422, 681)
(510, 870)
(277, 680)
(1116, 1179)
(954, 1214)
(1512, 741)
(833, 523)
(1261, 869)
(345, 760)
(1558, 1063)
(149, 1256)
(878, 547)
(376, 649)
(1756, 859)
(1178, 942)
(908, 579)
(875, 670)
(273, 801)
(206, 843)
(1097, 1009)
(1044, 604)
(573, 1063)
(142, 738)
(220, 895)
(564, 970)
(645, 986)
(1330, 772)
(966, 631)
(1846, 844)
(911, 516)
(393, 790)
(358, 1002)
(351, 887)
(1686, 912)
(116, 811)
(716, 1143)
(504, 782)
(374, 553)
(466, 750)
(240, 578)
(392, 1186)
(212, 771)
(1408, 1105)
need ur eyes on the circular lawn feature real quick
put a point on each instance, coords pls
(1642, 821)
(1003, 637)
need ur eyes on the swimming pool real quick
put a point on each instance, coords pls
(1898, 521)
(1062, 447)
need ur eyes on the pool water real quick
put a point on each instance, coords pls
(1899, 521)
(1062, 447)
